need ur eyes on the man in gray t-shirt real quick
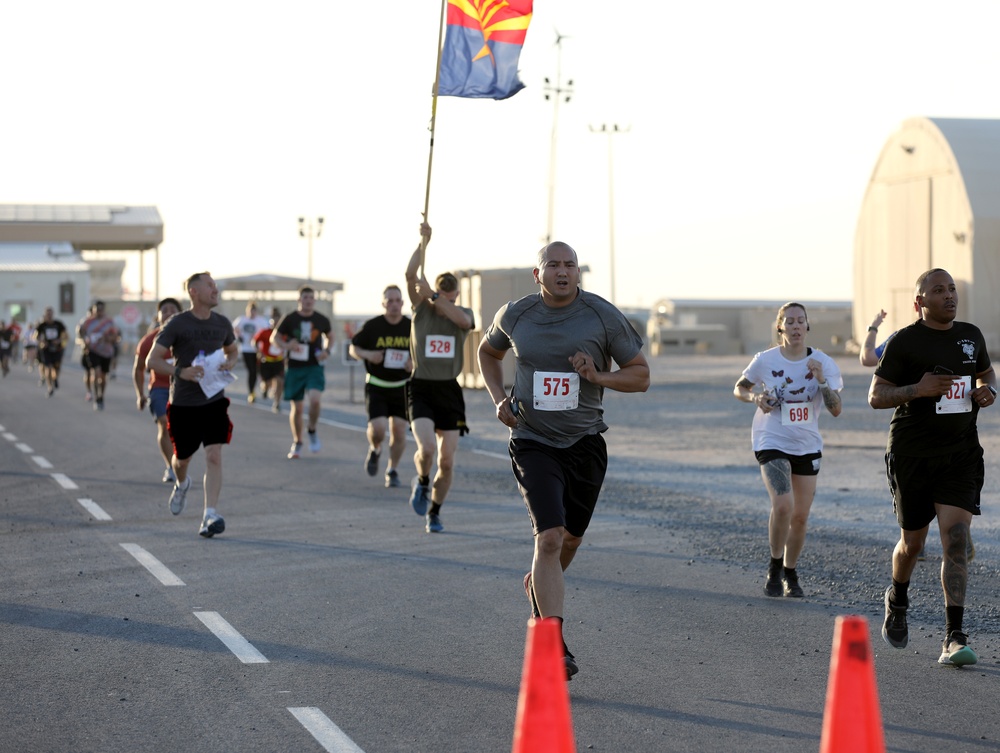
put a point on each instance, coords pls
(564, 340)
(197, 415)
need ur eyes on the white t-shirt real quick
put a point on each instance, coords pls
(793, 425)
(246, 327)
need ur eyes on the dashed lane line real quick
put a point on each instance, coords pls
(94, 509)
(235, 642)
(42, 462)
(10, 437)
(64, 481)
(160, 571)
(327, 734)
(24, 448)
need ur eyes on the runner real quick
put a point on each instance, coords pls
(565, 340)
(270, 362)
(245, 328)
(52, 341)
(384, 345)
(796, 382)
(159, 385)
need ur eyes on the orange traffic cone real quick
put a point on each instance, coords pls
(543, 723)
(852, 720)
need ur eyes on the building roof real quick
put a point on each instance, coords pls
(40, 257)
(88, 227)
(263, 282)
(975, 144)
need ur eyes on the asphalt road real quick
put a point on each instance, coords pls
(325, 618)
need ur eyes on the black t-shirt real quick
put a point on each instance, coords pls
(918, 428)
(186, 335)
(50, 335)
(306, 330)
(393, 340)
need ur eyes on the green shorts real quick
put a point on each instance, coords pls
(301, 379)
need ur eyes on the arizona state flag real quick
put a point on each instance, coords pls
(481, 47)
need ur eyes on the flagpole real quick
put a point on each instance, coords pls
(430, 154)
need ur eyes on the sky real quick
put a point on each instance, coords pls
(748, 133)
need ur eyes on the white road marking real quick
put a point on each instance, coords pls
(94, 509)
(10, 436)
(235, 642)
(2, 428)
(339, 425)
(24, 448)
(63, 480)
(327, 734)
(41, 462)
(497, 455)
(148, 561)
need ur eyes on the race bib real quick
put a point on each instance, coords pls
(439, 346)
(556, 390)
(51, 333)
(395, 358)
(274, 351)
(797, 414)
(300, 352)
(959, 397)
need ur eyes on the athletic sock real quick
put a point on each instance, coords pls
(953, 619)
(898, 593)
(435, 509)
(776, 565)
(790, 573)
(424, 480)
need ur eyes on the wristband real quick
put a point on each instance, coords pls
(177, 371)
(992, 389)
(873, 329)
(821, 385)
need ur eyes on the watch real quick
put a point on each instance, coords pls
(992, 389)
(177, 371)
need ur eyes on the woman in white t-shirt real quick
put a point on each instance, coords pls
(789, 385)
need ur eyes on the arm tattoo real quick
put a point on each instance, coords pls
(890, 396)
(831, 398)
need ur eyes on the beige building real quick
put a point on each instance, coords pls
(933, 200)
(685, 326)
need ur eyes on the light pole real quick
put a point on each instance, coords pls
(309, 230)
(611, 131)
(556, 92)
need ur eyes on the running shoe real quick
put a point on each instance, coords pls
(251, 398)
(211, 524)
(434, 523)
(314, 444)
(296, 451)
(956, 651)
(894, 630)
(371, 462)
(419, 497)
(168, 476)
(178, 497)
(571, 665)
(391, 479)
(773, 585)
(790, 581)
(530, 592)
(276, 408)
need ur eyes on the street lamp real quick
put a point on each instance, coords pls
(611, 131)
(309, 230)
(556, 92)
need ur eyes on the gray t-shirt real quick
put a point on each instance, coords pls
(557, 407)
(437, 344)
(186, 335)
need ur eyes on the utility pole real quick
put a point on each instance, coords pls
(309, 230)
(611, 130)
(557, 92)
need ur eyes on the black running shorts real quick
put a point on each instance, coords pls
(190, 427)
(560, 486)
(917, 484)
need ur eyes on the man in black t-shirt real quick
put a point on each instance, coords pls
(304, 335)
(937, 375)
(52, 340)
(384, 345)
